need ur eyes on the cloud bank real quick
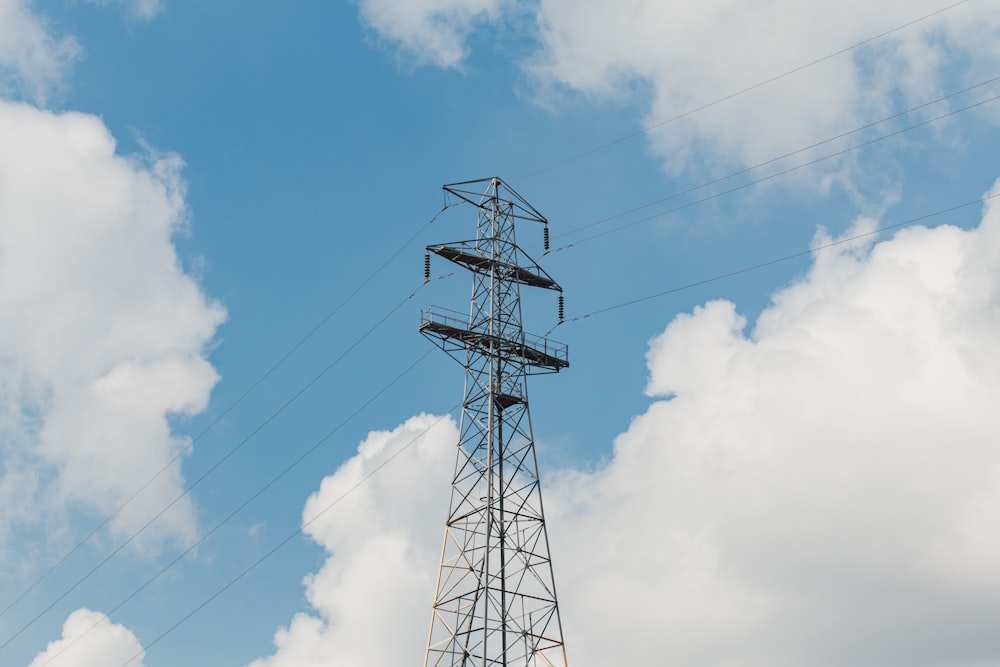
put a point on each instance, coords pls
(821, 489)
(671, 58)
(385, 541)
(817, 491)
(106, 333)
(105, 644)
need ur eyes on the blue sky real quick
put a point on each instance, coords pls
(791, 464)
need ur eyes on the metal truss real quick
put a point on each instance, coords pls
(496, 598)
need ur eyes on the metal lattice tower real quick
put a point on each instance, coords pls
(496, 598)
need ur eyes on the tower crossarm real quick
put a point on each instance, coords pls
(472, 192)
(469, 255)
(449, 327)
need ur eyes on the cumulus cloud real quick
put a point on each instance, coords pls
(670, 58)
(431, 32)
(821, 488)
(32, 60)
(384, 546)
(89, 639)
(686, 55)
(106, 333)
(818, 487)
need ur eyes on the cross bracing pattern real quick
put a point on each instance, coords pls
(495, 602)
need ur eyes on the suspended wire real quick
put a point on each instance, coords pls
(242, 506)
(330, 315)
(588, 315)
(312, 332)
(290, 537)
(187, 448)
(778, 260)
(381, 267)
(726, 98)
(187, 490)
(371, 474)
(765, 163)
(769, 177)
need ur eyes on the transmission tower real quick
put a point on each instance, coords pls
(496, 597)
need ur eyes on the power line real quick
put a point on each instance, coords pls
(588, 315)
(730, 96)
(378, 270)
(380, 392)
(290, 537)
(243, 505)
(187, 448)
(573, 319)
(769, 177)
(395, 254)
(187, 490)
(778, 260)
(784, 156)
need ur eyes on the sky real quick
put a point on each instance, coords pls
(223, 442)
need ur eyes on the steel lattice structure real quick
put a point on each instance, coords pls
(496, 598)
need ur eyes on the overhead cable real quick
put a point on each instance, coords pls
(290, 537)
(67, 645)
(187, 490)
(784, 156)
(588, 315)
(778, 260)
(769, 177)
(187, 448)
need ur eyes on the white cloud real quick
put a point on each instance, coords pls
(818, 491)
(32, 61)
(685, 55)
(431, 31)
(384, 547)
(140, 9)
(669, 58)
(821, 490)
(89, 639)
(110, 332)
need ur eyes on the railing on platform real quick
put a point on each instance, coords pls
(535, 349)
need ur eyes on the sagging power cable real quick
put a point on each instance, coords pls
(187, 448)
(190, 487)
(778, 260)
(769, 177)
(66, 646)
(250, 568)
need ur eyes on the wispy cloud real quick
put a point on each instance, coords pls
(431, 32)
(140, 9)
(33, 62)
(34, 59)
